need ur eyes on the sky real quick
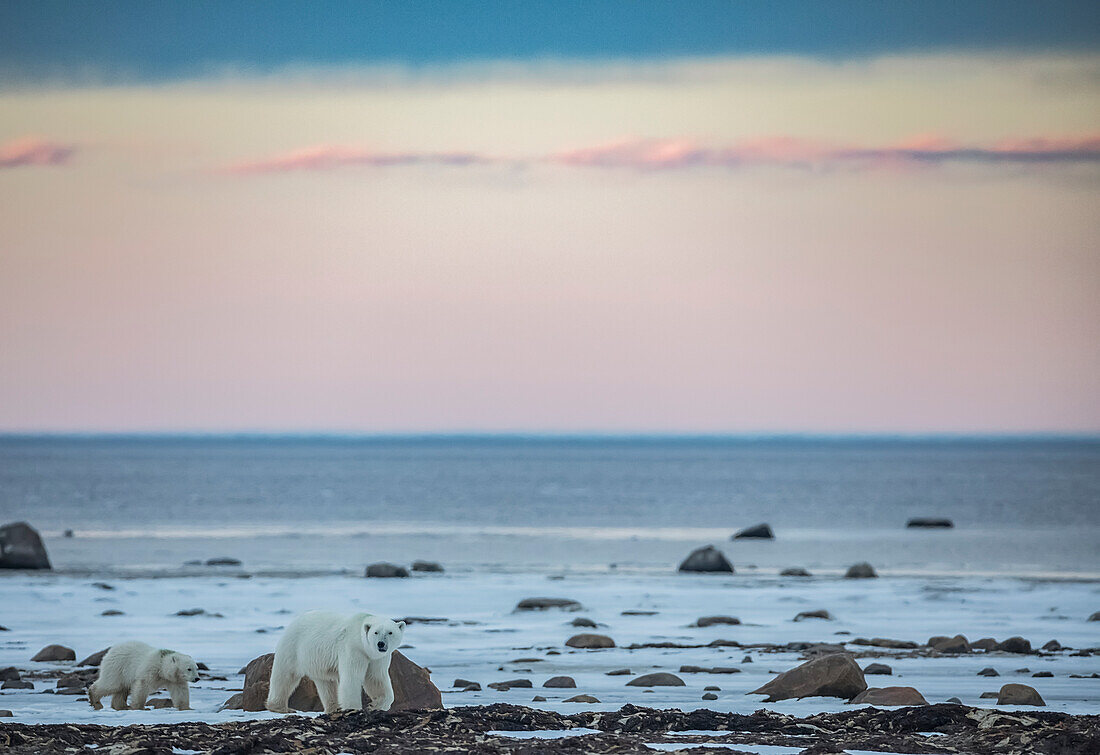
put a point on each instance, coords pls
(706, 217)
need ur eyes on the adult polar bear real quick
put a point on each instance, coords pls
(343, 655)
(137, 670)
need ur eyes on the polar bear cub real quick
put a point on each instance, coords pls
(138, 670)
(343, 655)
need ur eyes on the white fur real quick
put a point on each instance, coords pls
(138, 670)
(341, 654)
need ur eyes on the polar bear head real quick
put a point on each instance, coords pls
(381, 636)
(178, 666)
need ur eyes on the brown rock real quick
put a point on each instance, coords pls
(835, 675)
(412, 687)
(659, 679)
(511, 684)
(881, 642)
(1053, 646)
(987, 644)
(538, 699)
(956, 644)
(71, 681)
(879, 669)
(861, 571)
(94, 659)
(560, 681)
(709, 621)
(159, 702)
(55, 653)
(1016, 645)
(21, 548)
(706, 670)
(581, 699)
(5, 714)
(462, 683)
(890, 696)
(619, 672)
(583, 623)
(821, 613)
(1019, 694)
(590, 641)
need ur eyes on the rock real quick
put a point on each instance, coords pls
(472, 687)
(795, 572)
(987, 644)
(103, 585)
(580, 699)
(9, 673)
(956, 644)
(954, 700)
(583, 622)
(929, 523)
(890, 696)
(55, 653)
(590, 641)
(412, 687)
(638, 613)
(538, 699)
(1053, 646)
(709, 621)
(223, 561)
(709, 696)
(463, 683)
(94, 659)
(989, 696)
(22, 548)
(988, 671)
(427, 566)
(821, 613)
(747, 659)
(860, 571)
(190, 612)
(705, 670)
(835, 675)
(881, 642)
(16, 684)
(706, 559)
(1017, 645)
(1042, 675)
(159, 702)
(1095, 616)
(1019, 694)
(384, 570)
(511, 684)
(1024, 670)
(5, 714)
(619, 672)
(712, 688)
(560, 681)
(112, 612)
(878, 669)
(542, 604)
(659, 679)
(759, 532)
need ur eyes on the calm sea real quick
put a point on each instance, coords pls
(1020, 507)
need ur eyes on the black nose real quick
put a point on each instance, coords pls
(382, 646)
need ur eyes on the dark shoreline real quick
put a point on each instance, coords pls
(959, 729)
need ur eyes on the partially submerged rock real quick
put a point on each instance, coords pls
(929, 523)
(590, 641)
(820, 613)
(386, 571)
(950, 645)
(1019, 694)
(882, 642)
(427, 566)
(658, 679)
(878, 669)
(795, 571)
(510, 684)
(542, 604)
(890, 696)
(21, 548)
(706, 559)
(709, 621)
(560, 681)
(1016, 645)
(759, 532)
(836, 675)
(54, 653)
(861, 570)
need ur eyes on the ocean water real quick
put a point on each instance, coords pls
(1021, 508)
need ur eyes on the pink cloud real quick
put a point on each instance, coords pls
(329, 157)
(34, 151)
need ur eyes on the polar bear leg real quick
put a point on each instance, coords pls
(180, 694)
(349, 695)
(139, 693)
(118, 699)
(378, 685)
(94, 695)
(284, 680)
(326, 690)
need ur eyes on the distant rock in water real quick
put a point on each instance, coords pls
(759, 532)
(795, 572)
(580, 621)
(709, 621)
(658, 679)
(542, 604)
(861, 571)
(821, 613)
(223, 561)
(878, 669)
(385, 570)
(427, 566)
(590, 641)
(707, 559)
(930, 523)
(21, 548)
(55, 653)
(1095, 616)
(950, 645)
(1016, 645)
(890, 696)
(836, 675)
(1019, 694)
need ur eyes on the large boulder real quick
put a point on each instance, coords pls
(94, 659)
(706, 559)
(658, 679)
(836, 675)
(759, 532)
(929, 523)
(890, 696)
(55, 653)
(1019, 694)
(590, 641)
(542, 604)
(1016, 645)
(861, 570)
(412, 688)
(22, 548)
(951, 645)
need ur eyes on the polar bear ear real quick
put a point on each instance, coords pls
(366, 627)
(401, 625)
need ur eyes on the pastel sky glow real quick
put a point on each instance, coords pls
(757, 233)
